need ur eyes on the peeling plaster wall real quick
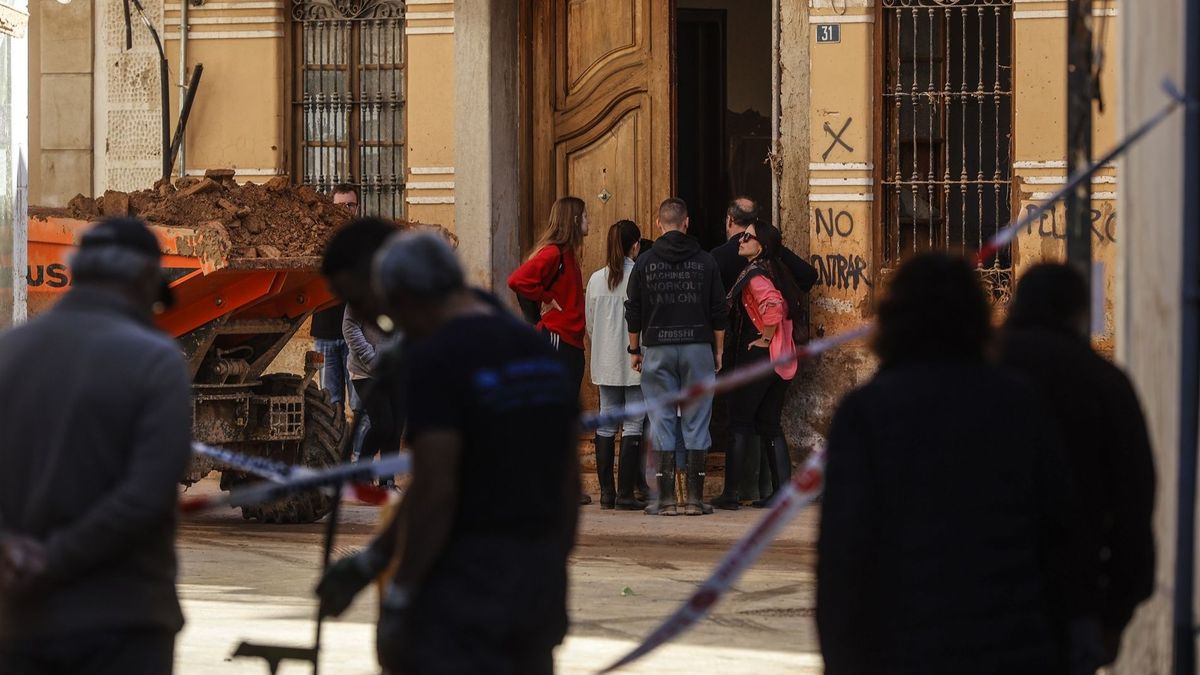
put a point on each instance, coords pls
(824, 196)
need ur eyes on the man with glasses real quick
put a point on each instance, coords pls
(326, 328)
(345, 195)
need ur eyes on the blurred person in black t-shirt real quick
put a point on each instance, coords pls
(484, 531)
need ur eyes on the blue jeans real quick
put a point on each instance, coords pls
(612, 398)
(335, 379)
(666, 369)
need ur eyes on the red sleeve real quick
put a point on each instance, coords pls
(529, 280)
(768, 300)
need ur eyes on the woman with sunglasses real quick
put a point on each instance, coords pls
(762, 303)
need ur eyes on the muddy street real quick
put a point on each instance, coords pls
(245, 581)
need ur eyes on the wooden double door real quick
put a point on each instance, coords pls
(600, 112)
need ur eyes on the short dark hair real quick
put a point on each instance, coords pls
(343, 188)
(1049, 295)
(352, 248)
(935, 309)
(672, 211)
(743, 215)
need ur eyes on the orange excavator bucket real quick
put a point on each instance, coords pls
(209, 285)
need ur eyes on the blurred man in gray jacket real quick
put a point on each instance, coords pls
(95, 433)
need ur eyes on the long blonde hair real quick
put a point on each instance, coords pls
(565, 227)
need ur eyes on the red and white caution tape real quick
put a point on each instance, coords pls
(716, 385)
(259, 466)
(807, 484)
(353, 474)
(799, 492)
(279, 472)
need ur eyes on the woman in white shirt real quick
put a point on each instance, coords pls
(619, 384)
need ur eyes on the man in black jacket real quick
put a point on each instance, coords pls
(95, 433)
(742, 213)
(1045, 339)
(326, 328)
(676, 313)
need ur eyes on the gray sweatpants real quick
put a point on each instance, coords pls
(668, 368)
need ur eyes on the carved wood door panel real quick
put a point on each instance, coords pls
(601, 117)
(602, 112)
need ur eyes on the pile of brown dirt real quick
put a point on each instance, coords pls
(272, 220)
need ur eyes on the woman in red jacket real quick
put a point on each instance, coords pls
(551, 277)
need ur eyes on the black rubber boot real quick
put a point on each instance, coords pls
(735, 456)
(641, 490)
(605, 450)
(764, 475)
(749, 489)
(779, 461)
(628, 468)
(694, 488)
(666, 505)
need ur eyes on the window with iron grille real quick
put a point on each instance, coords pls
(349, 99)
(946, 179)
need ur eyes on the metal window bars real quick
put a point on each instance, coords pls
(349, 105)
(947, 129)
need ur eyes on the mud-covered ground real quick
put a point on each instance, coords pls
(240, 580)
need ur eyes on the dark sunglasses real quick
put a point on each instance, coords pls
(746, 236)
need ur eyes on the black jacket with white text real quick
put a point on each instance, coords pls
(675, 294)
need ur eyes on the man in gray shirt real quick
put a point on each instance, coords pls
(95, 433)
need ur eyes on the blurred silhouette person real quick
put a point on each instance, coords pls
(945, 515)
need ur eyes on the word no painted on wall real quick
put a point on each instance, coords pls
(827, 223)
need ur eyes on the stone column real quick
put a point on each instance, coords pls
(62, 161)
(14, 151)
(1149, 288)
(487, 181)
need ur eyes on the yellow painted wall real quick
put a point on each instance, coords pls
(236, 119)
(835, 208)
(1040, 141)
(840, 180)
(430, 194)
(841, 216)
(242, 111)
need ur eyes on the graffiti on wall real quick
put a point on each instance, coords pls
(841, 271)
(837, 139)
(1053, 223)
(828, 223)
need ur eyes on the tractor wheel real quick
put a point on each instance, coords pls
(324, 432)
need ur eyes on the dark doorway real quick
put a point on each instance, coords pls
(700, 102)
(723, 106)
